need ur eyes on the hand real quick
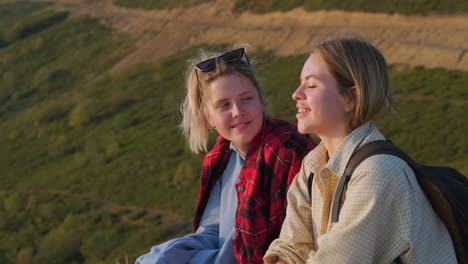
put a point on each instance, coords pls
(281, 262)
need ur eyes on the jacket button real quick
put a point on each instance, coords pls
(240, 189)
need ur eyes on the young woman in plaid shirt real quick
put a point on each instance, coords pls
(245, 176)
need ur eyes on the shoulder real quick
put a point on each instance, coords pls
(384, 171)
(276, 127)
(221, 147)
(284, 135)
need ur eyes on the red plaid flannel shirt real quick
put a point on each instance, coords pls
(274, 158)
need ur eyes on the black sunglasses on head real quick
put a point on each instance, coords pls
(231, 56)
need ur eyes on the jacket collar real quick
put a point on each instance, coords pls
(339, 160)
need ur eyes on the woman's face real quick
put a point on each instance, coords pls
(234, 109)
(321, 109)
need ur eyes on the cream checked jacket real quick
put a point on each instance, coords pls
(385, 214)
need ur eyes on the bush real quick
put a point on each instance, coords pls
(8, 85)
(33, 24)
(15, 203)
(60, 146)
(50, 112)
(25, 256)
(123, 120)
(49, 80)
(81, 115)
(60, 246)
(103, 242)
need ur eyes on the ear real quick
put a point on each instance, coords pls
(350, 99)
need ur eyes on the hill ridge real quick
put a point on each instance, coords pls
(405, 39)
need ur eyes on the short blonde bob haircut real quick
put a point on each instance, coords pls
(194, 125)
(354, 62)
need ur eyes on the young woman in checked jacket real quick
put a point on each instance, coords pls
(385, 216)
(245, 176)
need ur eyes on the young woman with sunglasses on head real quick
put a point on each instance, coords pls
(385, 216)
(245, 176)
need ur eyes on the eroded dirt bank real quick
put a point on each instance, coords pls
(432, 41)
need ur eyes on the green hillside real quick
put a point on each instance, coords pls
(421, 7)
(159, 4)
(93, 167)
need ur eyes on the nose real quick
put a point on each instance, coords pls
(237, 110)
(299, 93)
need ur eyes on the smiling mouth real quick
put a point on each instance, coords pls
(241, 125)
(302, 110)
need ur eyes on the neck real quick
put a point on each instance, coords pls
(332, 141)
(242, 149)
(331, 144)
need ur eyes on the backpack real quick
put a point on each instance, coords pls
(445, 188)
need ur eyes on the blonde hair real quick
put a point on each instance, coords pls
(194, 124)
(354, 62)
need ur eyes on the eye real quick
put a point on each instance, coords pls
(247, 98)
(222, 105)
(311, 86)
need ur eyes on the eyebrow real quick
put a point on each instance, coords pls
(226, 99)
(308, 77)
(246, 92)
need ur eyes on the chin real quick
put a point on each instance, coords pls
(302, 129)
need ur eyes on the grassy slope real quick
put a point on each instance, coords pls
(159, 4)
(92, 164)
(382, 6)
(264, 6)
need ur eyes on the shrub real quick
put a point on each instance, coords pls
(49, 80)
(102, 242)
(15, 203)
(33, 24)
(122, 120)
(50, 112)
(60, 146)
(60, 246)
(25, 256)
(81, 115)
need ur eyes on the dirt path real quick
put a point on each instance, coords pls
(432, 41)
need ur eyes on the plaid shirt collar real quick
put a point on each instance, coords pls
(215, 162)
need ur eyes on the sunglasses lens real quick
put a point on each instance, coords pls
(207, 65)
(232, 55)
(210, 64)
